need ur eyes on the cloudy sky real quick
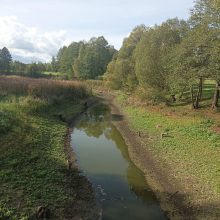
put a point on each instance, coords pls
(35, 29)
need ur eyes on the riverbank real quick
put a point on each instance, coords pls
(182, 167)
(34, 118)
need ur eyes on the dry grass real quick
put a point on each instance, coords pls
(41, 88)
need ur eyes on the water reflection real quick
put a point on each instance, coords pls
(103, 155)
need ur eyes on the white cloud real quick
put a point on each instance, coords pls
(29, 43)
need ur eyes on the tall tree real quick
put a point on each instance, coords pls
(54, 64)
(120, 72)
(93, 58)
(5, 60)
(152, 52)
(198, 54)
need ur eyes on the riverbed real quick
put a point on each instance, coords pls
(102, 155)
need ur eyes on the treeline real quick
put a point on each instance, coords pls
(81, 60)
(171, 58)
(8, 66)
(84, 60)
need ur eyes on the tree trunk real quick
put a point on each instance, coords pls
(216, 96)
(192, 97)
(200, 88)
(199, 94)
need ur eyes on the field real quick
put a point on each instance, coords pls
(32, 159)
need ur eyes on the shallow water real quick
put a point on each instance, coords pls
(102, 155)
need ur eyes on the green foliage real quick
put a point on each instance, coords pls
(170, 58)
(5, 60)
(152, 50)
(120, 72)
(93, 58)
(85, 60)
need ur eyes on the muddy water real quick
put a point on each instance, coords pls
(102, 155)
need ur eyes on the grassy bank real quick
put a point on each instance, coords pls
(190, 146)
(32, 158)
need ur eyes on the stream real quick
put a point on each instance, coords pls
(102, 155)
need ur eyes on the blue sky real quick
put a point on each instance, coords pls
(36, 29)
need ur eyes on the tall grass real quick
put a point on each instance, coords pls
(41, 88)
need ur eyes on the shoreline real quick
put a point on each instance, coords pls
(86, 189)
(175, 199)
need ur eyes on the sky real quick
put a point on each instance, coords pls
(34, 30)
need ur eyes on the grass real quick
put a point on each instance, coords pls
(53, 73)
(32, 158)
(207, 94)
(193, 143)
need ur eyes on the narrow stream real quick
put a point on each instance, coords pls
(102, 155)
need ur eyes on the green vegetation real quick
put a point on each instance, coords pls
(85, 60)
(5, 60)
(82, 60)
(191, 143)
(161, 63)
(32, 158)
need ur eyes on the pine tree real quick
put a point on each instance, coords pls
(5, 60)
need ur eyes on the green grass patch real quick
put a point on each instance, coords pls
(32, 158)
(191, 146)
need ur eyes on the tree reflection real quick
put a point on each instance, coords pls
(95, 121)
(135, 177)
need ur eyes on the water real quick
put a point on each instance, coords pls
(102, 155)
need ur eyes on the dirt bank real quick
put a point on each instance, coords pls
(174, 197)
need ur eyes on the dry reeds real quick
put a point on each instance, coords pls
(41, 88)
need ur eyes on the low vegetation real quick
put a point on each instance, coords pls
(32, 158)
(188, 141)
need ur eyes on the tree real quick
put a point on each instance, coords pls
(33, 69)
(151, 53)
(54, 65)
(120, 72)
(18, 67)
(5, 60)
(93, 58)
(198, 54)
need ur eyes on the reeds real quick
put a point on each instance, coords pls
(41, 88)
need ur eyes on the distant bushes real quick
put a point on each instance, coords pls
(42, 88)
